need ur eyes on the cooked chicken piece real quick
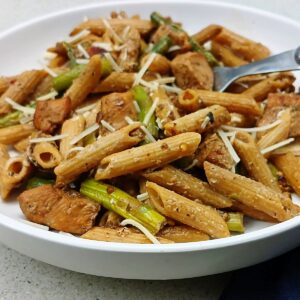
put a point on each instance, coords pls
(178, 37)
(159, 65)
(128, 58)
(50, 114)
(66, 211)
(213, 150)
(114, 108)
(192, 71)
(277, 103)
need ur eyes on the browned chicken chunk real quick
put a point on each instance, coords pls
(213, 150)
(114, 108)
(192, 71)
(50, 114)
(277, 103)
(66, 211)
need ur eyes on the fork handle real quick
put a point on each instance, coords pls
(285, 61)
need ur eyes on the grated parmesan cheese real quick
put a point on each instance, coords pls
(171, 89)
(144, 69)
(26, 119)
(113, 63)
(83, 51)
(148, 134)
(174, 48)
(85, 108)
(228, 145)
(48, 70)
(150, 112)
(159, 123)
(191, 165)
(84, 133)
(253, 129)
(164, 80)
(143, 229)
(17, 106)
(48, 139)
(112, 32)
(74, 149)
(107, 126)
(205, 122)
(129, 120)
(48, 96)
(277, 145)
(78, 36)
(49, 55)
(125, 32)
(105, 46)
(82, 61)
(149, 84)
(136, 106)
(143, 196)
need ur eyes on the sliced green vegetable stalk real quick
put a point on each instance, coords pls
(71, 54)
(274, 170)
(157, 19)
(89, 139)
(14, 117)
(235, 222)
(163, 45)
(64, 80)
(37, 181)
(145, 103)
(207, 54)
(123, 204)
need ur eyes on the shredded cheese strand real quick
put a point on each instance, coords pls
(113, 63)
(174, 48)
(136, 106)
(84, 133)
(83, 51)
(143, 196)
(228, 145)
(78, 36)
(191, 165)
(17, 106)
(143, 229)
(107, 126)
(277, 145)
(171, 89)
(85, 108)
(112, 31)
(48, 96)
(74, 149)
(253, 129)
(105, 46)
(148, 134)
(82, 61)
(48, 139)
(144, 69)
(150, 111)
(49, 55)
(159, 123)
(48, 70)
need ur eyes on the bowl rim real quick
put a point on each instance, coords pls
(63, 240)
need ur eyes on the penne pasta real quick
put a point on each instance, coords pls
(148, 156)
(119, 235)
(249, 192)
(226, 55)
(110, 219)
(207, 33)
(71, 128)
(160, 64)
(85, 83)
(13, 134)
(182, 234)
(92, 154)
(254, 161)
(187, 185)
(215, 115)
(22, 145)
(289, 165)
(195, 99)
(188, 212)
(20, 90)
(46, 155)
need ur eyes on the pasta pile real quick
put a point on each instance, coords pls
(121, 138)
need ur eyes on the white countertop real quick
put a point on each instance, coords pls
(24, 278)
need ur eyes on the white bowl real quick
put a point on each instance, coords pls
(20, 49)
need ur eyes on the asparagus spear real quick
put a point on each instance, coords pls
(123, 204)
(64, 80)
(158, 20)
(163, 45)
(145, 103)
(70, 54)
(37, 181)
(235, 222)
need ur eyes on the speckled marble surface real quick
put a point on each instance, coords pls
(24, 278)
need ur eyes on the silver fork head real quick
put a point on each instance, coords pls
(223, 77)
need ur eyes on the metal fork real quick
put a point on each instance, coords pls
(285, 61)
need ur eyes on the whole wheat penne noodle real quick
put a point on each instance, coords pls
(43, 88)
(147, 156)
(21, 89)
(119, 235)
(226, 55)
(253, 213)
(212, 117)
(188, 212)
(293, 148)
(86, 82)
(160, 64)
(271, 84)
(247, 191)
(92, 154)
(207, 33)
(278, 133)
(239, 120)
(187, 185)
(233, 102)
(22, 145)
(241, 46)
(115, 82)
(254, 161)
(97, 27)
(46, 155)
(289, 165)
(182, 234)
(165, 110)
(13, 134)
(57, 62)
(4, 84)
(71, 128)
(14, 172)
(4, 156)
(110, 219)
